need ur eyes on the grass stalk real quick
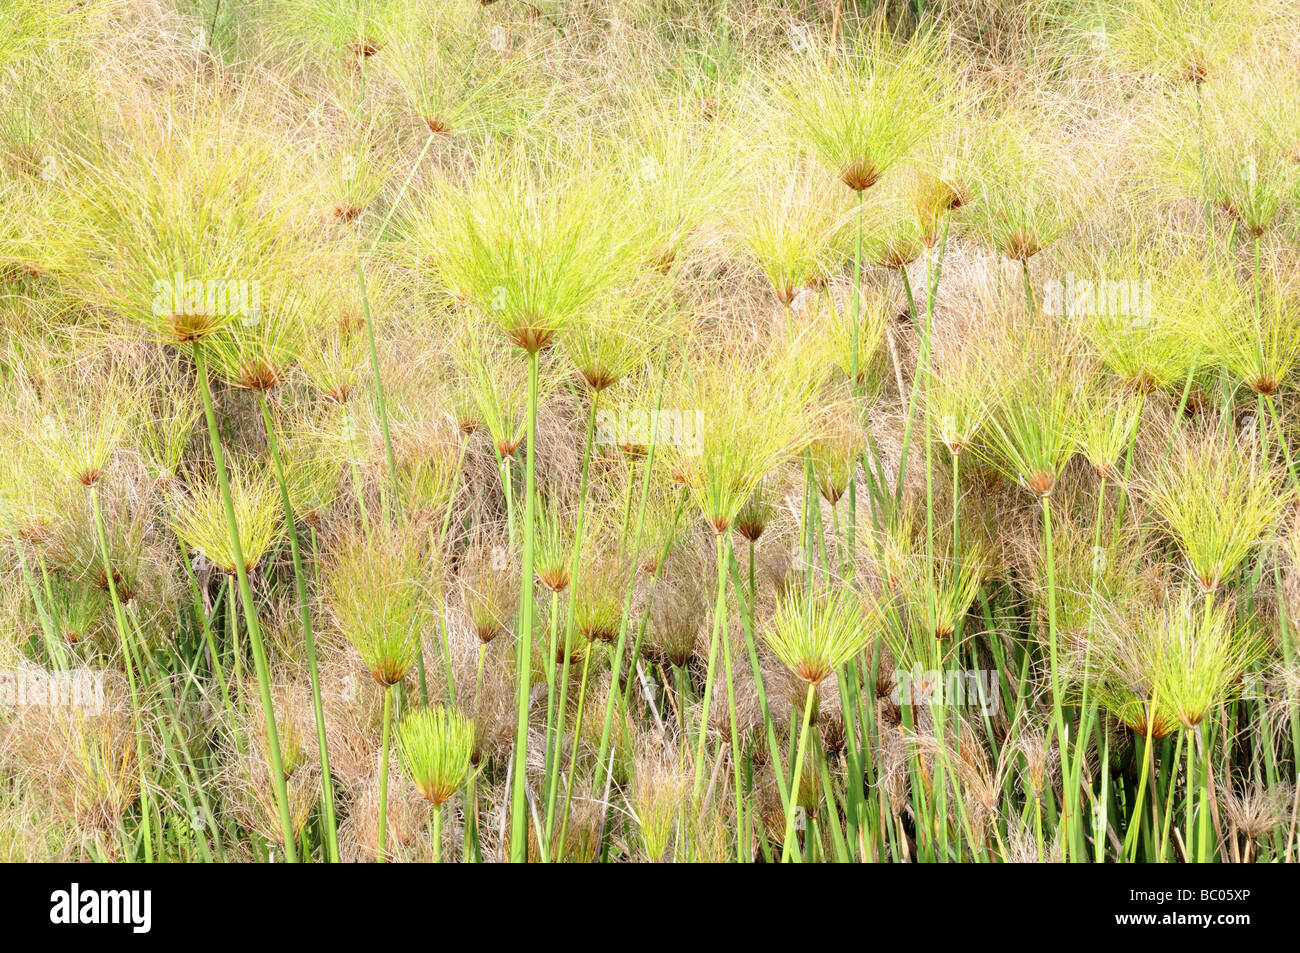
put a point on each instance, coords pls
(250, 611)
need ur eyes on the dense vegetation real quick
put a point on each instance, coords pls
(649, 430)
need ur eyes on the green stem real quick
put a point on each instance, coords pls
(956, 507)
(923, 359)
(573, 759)
(620, 644)
(451, 497)
(578, 536)
(1135, 818)
(719, 612)
(1057, 713)
(309, 639)
(747, 618)
(854, 361)
(250, 610)
(724, 557)
(437, 833)
(1189, 800)
(523, 661)
(382, 843)
(556, 744)
(797, 777)
(128, 662)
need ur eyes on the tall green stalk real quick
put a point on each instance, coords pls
(719, 623)
(309, 639)
(724, 559)
(578, 537)
(620, 644)
(437, 833)
(923, 359)
(523, 660)
(1057, 711)
(250, 610)
(381, 845)
(797, 777)
(854, 361)
(128, 662)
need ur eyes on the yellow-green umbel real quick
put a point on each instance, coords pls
(530, 244)
(436, 745)
(200, 519)
(380, 603)
(813, 635)
(1159, 668)
(1220, 498)
(860, 110)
